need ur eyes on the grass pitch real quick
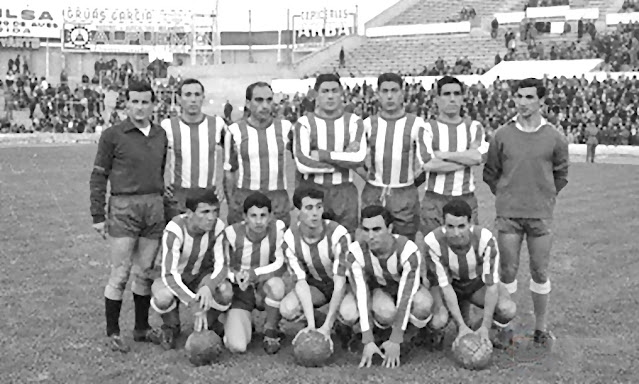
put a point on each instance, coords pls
(55, 268)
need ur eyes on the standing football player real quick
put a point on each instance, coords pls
(193, 268)
(527, 167)
(329, 145)
(253, 249)
(464, 260)
(255, 156)
(192, 159)
(385, 274)
(455, 145)
(394, 137)
(315, 250)
(131, 157)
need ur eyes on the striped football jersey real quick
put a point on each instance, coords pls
(320, 261)
(185, 256)
(398, 275)
(482, 259)
(393, 146)
(453, 138)
(258, 155)
(330, 138)
(192, 152)
(264, 257)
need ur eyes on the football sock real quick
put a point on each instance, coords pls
(142, 305)
(171, 319)
(540, 304)
(272, 318)
(112, 312)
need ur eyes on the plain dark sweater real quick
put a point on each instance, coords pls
(526, 170)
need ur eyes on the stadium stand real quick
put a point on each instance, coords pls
(425, 12)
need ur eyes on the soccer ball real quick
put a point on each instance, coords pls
(473, 352)
(202, 348)
(312, 348)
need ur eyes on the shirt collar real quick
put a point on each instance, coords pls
(543, 122)
(127, 126)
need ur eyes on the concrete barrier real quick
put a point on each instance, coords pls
(48, 138)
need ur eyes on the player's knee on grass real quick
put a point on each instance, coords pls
(383, 307)
(223, 293)
(290, 306)
(422, 304)
(505, 310)
(162, 297)
(275, 289)
(348, 311)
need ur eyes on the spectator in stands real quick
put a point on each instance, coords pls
(342, 58)
(228, 113)
(494, 28)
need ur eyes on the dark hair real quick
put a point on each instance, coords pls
(187, 82)
(326, 78)
(302, 192)
(140, 86)
(195, 196)
(378, 210)
(391, 77)
(532, 83)
(458, 208)
(250, 88)
(448, 80)
(258, 200)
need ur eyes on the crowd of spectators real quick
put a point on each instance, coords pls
(547, 3)
(572, 104)
(96, 103)
(630, 6)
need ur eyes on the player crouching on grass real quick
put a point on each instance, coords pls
(315, 251)
(193, 268)
(385, 274)
(253, 249)
(463, 260)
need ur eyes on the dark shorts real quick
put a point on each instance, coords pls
(341, 202)
(528, 227)
(176, 205)
(403, 204)
(136, 216)
(466, 289)
(252, 298)
(433, 207)
(325, 287)
(280, 204)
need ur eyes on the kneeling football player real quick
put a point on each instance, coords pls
(193, 269)
(315, 251)
(385, 273)
(464, 262)
(254, 253)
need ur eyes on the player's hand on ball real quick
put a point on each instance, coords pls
(463, 330)
(314, 155)
(326, 331)
(483, 333)
(201, 323)
(205, 298)
(370, 350)
(101, 229)
(391, 352)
